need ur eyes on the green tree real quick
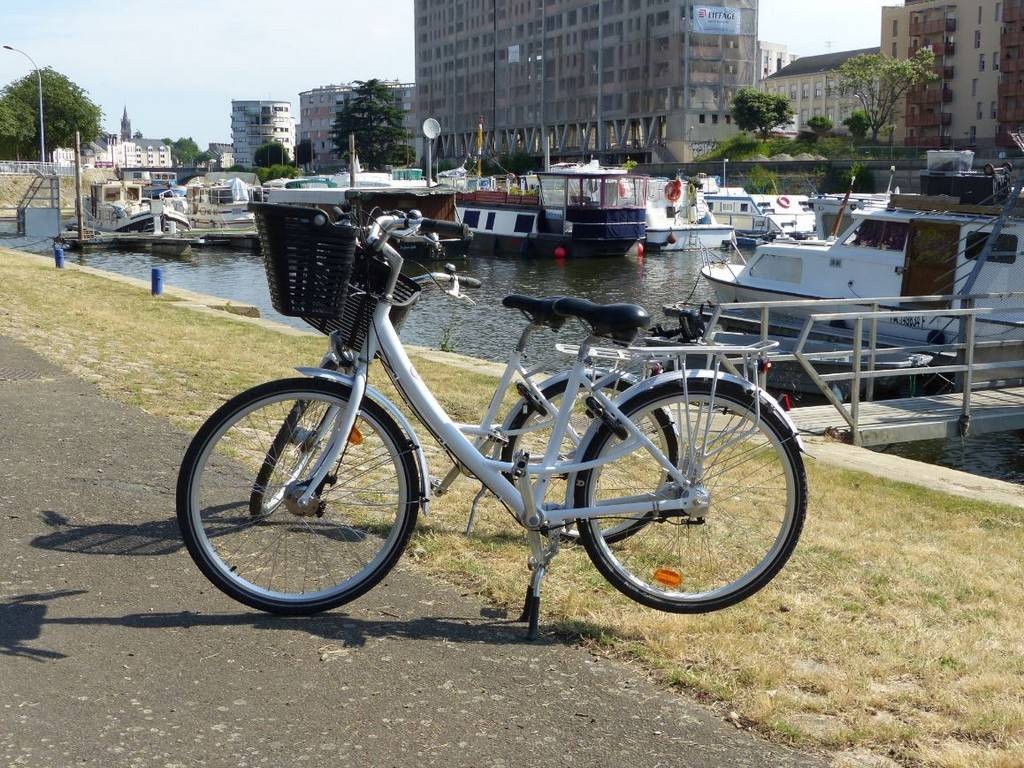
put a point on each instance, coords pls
(277, 171)
(271, 153)
(66, 108)
(184, 151)
(760, 112)
(375, 117)
(820, 124)
(858, 124)
(881, 83)
(15, 128)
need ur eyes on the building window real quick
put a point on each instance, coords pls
(700, 118)
(894, 50)
(977, 38)
(974, 87)
(817, 90)
(999, 12)
(895, 28)
(995, 61)
(978, 114)
(805, 90)
(995, 110)
(981, 62)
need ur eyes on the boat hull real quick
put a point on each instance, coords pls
(688, 238)
(551, 246)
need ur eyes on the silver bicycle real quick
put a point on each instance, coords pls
(299, 495)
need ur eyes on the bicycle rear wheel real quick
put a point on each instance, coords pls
(751, 470)
(245, 468)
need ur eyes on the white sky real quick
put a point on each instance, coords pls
(177, 65)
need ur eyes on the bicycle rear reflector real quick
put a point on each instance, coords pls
(667, 577)
(355, 436)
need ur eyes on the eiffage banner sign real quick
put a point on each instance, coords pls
(711, 20)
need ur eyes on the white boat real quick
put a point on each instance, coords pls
(120, 206)
(678, 218)
(827, 209)
(763, 215)
(902, 250)
(220, 201)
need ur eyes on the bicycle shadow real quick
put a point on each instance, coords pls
(148, 539)
(23, 619)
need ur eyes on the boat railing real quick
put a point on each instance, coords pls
(492, 197)
(956, 347)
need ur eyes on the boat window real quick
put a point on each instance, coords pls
(524, 223)
(884, 235)
(1004, 250)
(471, 219)
(743, 207)
(620, 192)
(552, 191)
(490, 220)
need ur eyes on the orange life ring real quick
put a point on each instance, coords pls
(783, 201)
(673, 190)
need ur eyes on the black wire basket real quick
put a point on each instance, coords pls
(317, 271)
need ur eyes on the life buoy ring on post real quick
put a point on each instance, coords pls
(673, 190)
(783, 201)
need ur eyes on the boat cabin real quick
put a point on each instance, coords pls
(593, 206)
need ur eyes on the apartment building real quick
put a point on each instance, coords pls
(1011, 82)
(810, 84)
(319, 106)
(257, 122)
(614, 78)
(960, 108)
(772, 58)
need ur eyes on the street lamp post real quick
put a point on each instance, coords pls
(39, 79)
(724, 161)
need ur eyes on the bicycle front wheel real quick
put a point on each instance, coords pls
(238, 489)
(747, 467)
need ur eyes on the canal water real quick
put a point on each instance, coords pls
(487, 330)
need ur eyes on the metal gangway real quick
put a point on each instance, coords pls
(986, 374)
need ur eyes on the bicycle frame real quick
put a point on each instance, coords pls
(524, 498)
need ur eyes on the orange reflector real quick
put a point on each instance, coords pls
(668, 578)
(355, 436)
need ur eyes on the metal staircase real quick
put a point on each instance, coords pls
(43, 192)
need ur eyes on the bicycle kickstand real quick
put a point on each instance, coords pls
(539, 559)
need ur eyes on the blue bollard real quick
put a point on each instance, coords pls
(156, 281)
(58, 256)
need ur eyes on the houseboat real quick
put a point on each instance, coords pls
(767, 216)
(678, 217)
(121, 206)
(577, 211)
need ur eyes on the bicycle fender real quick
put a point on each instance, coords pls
(767, 401)
(392, 410)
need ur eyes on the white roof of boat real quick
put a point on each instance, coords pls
(908, 214)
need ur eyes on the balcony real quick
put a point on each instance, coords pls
(947, 95)
(1013, 11)
(1011, 60)
(925, 96)
(1011, 38)
(925, 120)
(947, 118)
(949, 73)
(1009, 88)
(921, 27)
(949, 48)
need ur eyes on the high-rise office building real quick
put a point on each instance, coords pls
(652, 79)
(1011, 84)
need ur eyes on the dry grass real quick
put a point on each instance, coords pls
(894, 631)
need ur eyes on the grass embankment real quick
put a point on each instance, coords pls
(893, 633)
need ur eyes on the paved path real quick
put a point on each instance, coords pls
(115, 652)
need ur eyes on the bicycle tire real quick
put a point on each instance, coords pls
(362, 520)
(683, 563)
